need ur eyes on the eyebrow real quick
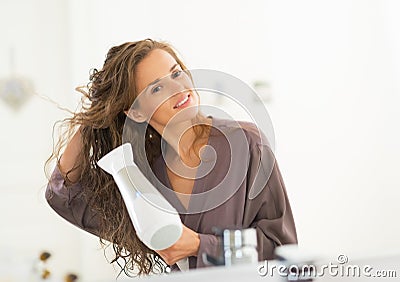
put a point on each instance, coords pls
(158, 79)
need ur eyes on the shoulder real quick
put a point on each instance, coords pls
(246, 138)
(253, 134)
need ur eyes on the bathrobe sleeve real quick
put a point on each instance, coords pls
(69, 203)
(267, 205)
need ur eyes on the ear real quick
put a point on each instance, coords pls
(136, 115)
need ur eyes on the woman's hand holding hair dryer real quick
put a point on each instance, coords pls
(187, 245)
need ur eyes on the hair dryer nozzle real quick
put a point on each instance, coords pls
(117, 159)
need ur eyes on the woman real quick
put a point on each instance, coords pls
(124, 100)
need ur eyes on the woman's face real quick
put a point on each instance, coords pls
(165, 91)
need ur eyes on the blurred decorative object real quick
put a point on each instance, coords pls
(16, 91)
(44, 256)
(263, 89)
(71, 277)
(45, 274)
(41, 272)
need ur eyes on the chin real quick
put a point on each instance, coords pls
(185, 115)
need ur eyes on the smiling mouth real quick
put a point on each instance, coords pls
(182, 102)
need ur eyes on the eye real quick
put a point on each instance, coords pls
(177, 73)
(155, 89)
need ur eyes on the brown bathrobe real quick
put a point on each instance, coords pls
(244, 189)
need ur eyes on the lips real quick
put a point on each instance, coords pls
(182, 102)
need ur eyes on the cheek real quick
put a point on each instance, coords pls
(150, 108)
(195, 97)
(158, 112)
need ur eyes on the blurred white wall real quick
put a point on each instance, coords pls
(38, 32)
(333, 67)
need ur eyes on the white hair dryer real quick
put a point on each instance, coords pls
(156, 222)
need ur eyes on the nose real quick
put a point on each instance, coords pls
(175, 86)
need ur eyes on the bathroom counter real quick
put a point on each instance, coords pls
(388, 265)
(245, 273)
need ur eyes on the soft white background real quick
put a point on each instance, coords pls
(334, 72)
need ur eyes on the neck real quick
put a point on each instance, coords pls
(180, 137)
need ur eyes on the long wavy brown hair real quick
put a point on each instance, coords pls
(110, 92)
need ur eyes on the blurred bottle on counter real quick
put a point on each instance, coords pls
(240, 246)
(237, 246)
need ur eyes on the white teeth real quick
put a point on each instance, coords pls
(182, 102)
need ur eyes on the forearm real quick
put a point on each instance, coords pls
(69, 160)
